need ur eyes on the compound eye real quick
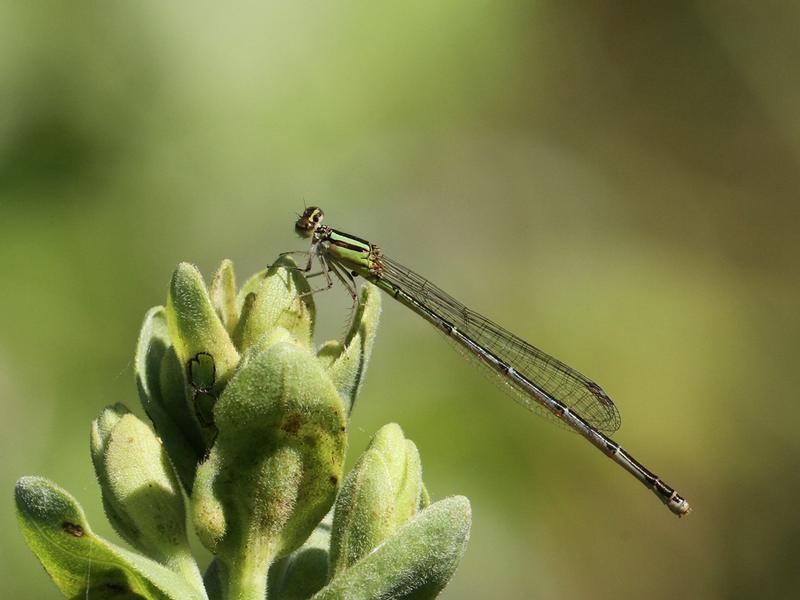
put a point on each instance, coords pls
(308, 221)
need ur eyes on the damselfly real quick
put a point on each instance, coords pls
(539, 382)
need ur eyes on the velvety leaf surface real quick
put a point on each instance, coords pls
(347, 364)
(194, 325)
(223, 295)
(416, 562)
(80, 563)
(279, 299)
(167, 409)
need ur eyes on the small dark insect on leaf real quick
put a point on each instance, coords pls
(72, 529)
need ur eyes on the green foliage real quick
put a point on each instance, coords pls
(415, 562)
(80, 563)
(382, 493)
(251, 427)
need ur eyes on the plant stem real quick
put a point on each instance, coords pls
(248, 571)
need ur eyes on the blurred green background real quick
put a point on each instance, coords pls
(615, 182)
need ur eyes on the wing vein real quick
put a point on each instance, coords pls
(555, 378)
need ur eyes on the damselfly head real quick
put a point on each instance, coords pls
(308, 222)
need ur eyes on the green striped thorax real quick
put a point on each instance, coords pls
(351, 252)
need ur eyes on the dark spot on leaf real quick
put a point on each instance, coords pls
(72, 528)
(334, 479)
(292, 424)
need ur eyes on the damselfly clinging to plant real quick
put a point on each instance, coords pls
(536, 380)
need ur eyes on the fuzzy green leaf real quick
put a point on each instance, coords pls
(81, 564)
(409, 491)
(425, 498)
(380, 494)
(347, 364)
(250, 287)
(194, 326)
(141, 494)
(405, 470)
(278, 301)
(214, 581)
(163, 398)
(102, 427)
(275, 467)
(364, 512)
(223, 295)
(416, 562)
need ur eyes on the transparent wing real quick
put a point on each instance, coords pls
(579, 393)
